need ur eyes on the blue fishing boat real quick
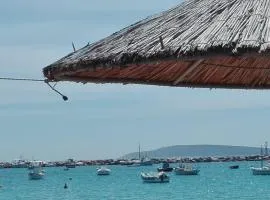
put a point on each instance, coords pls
(165, 167)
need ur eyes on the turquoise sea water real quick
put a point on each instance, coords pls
(216, 181)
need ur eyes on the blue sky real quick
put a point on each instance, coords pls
(104, 121)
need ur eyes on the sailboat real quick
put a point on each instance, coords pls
(143, 161)
(262, 170)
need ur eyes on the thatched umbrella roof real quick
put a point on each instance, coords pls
(200, 43)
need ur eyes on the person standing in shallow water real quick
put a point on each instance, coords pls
(65, 186)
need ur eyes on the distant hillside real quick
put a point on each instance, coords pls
(197, 151)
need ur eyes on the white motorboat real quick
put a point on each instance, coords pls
(185, 169)
(103, 171)
(152, 177)
(36, 171)
(35, 175)
(141, 162)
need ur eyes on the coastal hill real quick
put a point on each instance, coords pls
(197, 151)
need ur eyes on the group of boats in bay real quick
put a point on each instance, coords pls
(161, 176)
(36, 172)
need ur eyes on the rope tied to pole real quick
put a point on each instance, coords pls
(65, 98)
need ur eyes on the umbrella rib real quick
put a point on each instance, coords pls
(190, 69)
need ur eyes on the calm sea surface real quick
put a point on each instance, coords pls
(216, 181)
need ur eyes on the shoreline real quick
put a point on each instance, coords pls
(123, 162)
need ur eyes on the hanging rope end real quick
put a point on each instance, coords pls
(65, 98)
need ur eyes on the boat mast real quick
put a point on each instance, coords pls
(261, 156)
(139, 151)
(266, 148)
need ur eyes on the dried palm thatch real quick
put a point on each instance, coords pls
(200, 43)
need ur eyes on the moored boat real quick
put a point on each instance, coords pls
(19, 163)
(234, 167)
(103, 171)
(135, 164)
(35, 175)
(142, 161)
(36, 171)
(146, 162)
(160, 177)
(265, 170)
(165, 168)
(262, 170)
(70, 163)
(185, 169)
